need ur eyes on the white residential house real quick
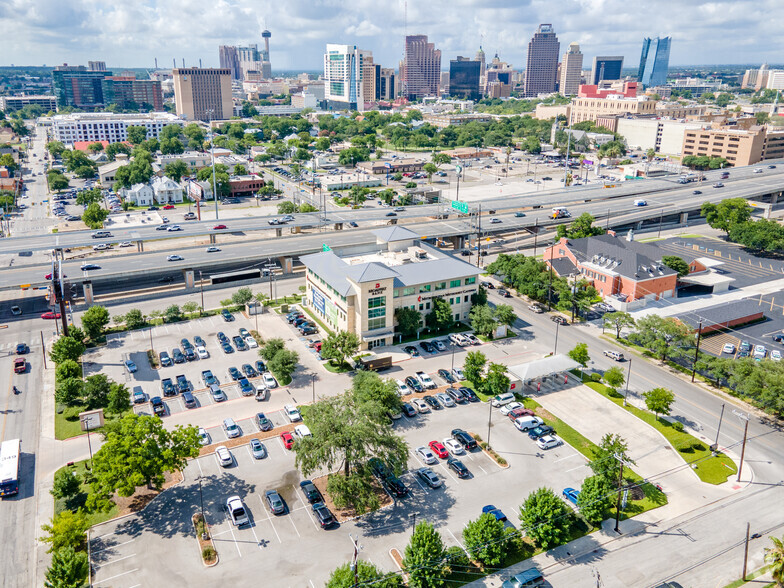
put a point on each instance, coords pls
(138, 194)
(167, 191)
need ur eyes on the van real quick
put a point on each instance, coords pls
(502, 399)
(189, 400)
(616, 355)
(101, 234)
(524, 423)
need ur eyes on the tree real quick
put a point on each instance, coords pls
(96, 391)
(496, 382)
(283, 364)
(7, 160)
(659, 401)
(242, 296)
(580, 227)
(726, 214)
(66, 529)
(482, 319)
(366, 574)
(429, 169)
(440, 159)
(134, 319)
(505, 315)
(545, 518)
(408, 320)
(136, 134)
(473, 368)
(176, 170)
(85, 172)
(89, 196)
(118, 400)
(94, 320)
(138, 450)
(595, 499)
(69, 391)
(66, 484)
(94, 216)
(440, 318)
(171, 146)
(190, 307)
(424, 557)
(487, 540)
(580, 354)
(775, 556)
(338, 346)
(617, 321)
(605, 458)
(68, 569)
(56, 148)
(271, 348)
(66, 348)
(661, 335)
(287, 207)
(57, 181)
(172, 314)
(114, 148)
(650, 154)
(240, 170)
(480, 297)
(375, 394)
(614, 377)
(67, 369)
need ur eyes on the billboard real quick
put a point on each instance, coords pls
(318, 301)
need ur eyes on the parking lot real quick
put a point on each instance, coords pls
(131, 552)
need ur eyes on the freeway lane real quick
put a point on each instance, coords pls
(742, 183)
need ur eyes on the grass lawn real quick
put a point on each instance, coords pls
(66, 427)
(749, 577)
(61, 504)
(337, 369)
(711, 469)
(324, 328)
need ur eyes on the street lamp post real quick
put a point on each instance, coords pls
(212, 155)
(555, 347)
(86, 423)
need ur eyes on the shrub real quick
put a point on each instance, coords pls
(596, 377)
(457, 559)
(208, 553)
(678, 426)
(72, 413)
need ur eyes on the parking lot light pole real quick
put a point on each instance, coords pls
(413, 516)
(201, 500)
(555, 347)
(151, 346)
(313, 386)
(628, 377)
(489, 421)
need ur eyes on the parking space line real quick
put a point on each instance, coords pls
(446, 469)
(111, 546)
(567, 457)
(118, 575)
(106, 563)
(481, 468)
(455, 538)
(293, 525)
(264, 507)
(258, 543)
(233, 538)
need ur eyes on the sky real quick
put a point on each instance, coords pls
(133, 33)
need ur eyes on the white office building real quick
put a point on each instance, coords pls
(106, 126)
(662, 135)
(138, 195)
(344, 76)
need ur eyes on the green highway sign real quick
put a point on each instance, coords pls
(326, 247)
(460, 206)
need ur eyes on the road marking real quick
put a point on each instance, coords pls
(232, 535)
(258, 543)
(118, 575)
(293, 525)
(106, 563)
(455, 538)
(567, 457)
(481, 468)
(110, 546)
(264, 506)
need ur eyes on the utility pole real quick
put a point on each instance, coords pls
(721, 416)
(479, 237)
(489, 421)
(628, 377)
(696, 352)
(354, 568)
(746, 552)
(745, 435)
(620, 489)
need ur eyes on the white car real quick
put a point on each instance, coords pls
(760, 351)
(458, 339)
(426, 455)
(212, 249)
(445, 399)
(237, 512)
(126, 244)
(425, 380)
(458, 374)
(223, 456)
(548, 442)
(420, 405)
(775, 355)
(302, 431)
(453, 446)
(292, 413)
(402, 389)
(269, 380)
(202, 352)
(204, 436)
(728, 348)
(251, 342)
(507, 408)
(174, 258)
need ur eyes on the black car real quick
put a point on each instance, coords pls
(457, 466)
(22, 348)
(396, 486)
(227, 316)
(248, 370)
(432, 401)
(178, 355)
(165, 359)
(446, 376)
(239, 343)
(227, 348)
(540, 431)
(408, 410)
(466, 440)
(427, 346)
(697, 192)
(185, 343)
(199, 341)
(261, 367)
(222, 338)
(465, 253)
(414, 384)
(488, 285)
(167, 387)
(457, 395)
(263, 422)
(190, 354)
(323, 515)
(234, 373)
(559, 320)
(469, 394)
(182, 384)
(309, 330)
(294, 315)
(778, 338)
(311, 492)
(504, 293)
(411, 350)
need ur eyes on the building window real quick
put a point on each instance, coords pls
(427, 306)
(377, 312)
(465, 299)
(441, 286)
(424, 288)
(378, 323)
(471, 280)
(396, 294)
(377, 302)
(408, 291)
(454, 284)
(421, 306)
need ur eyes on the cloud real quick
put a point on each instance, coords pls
(126, 34)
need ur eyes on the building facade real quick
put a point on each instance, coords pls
(542, 62)
(11, 103)
(654, 61)
(360, 294)
(75, 85)
(105, 126)
(606, 69)
(464, 76)
(127, 92)
(392, 166)
(96, 65)
(387, 88)
(664, 136)
(230, 59)
(571, 71)
(583, 109)
(738, 146)
(203, 93)
(344, 72)
(421, 68)
(166, 190)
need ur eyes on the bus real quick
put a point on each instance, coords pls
(9, 467)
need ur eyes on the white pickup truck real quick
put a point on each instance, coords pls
(425, 380)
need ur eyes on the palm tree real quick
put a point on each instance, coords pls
(650, 154)
(775, 555)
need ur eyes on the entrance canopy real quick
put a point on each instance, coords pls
(540, 368)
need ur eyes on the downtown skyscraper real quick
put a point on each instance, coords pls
(654, 61)
(420, 70)
(541, 69)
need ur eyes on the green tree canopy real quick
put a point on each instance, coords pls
(505, 314)
(496, 382)
(408, 320)
(94, 320)
(487, 540)
(136, 134)
(339, 345)
(580, 354)
(618, 321)
(68, 369)
(614, 377)
(483, 320)
(545, 518)
(242, 296)
(94, 216)
(659, 400)
(473, 368)
(176, 170)
(66, 348)
(424, 557)
(605, 463)
(440, 318)
(595, 499)
(66, 529)
(68, 569)
(727, 213)
(676, 264)
(580, 227)
(69, 391)
(662, 335)
(366, 573)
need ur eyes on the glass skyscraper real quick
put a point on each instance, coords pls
(654, 61)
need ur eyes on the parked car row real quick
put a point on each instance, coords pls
(305, 326)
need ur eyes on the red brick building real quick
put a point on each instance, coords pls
(616, 267)
(245, 185)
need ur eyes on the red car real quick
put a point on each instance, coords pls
(519, 412)
(287, 439)
(49, 277)
(439, 449)
(50, 315)
(219, 227)
(169, 207)
(20, 365)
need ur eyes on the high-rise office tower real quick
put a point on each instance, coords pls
(230, 59)
(250, 59)
(96, 66)
(542, 63)
(571, 71)
(75, 85)
(345, 67)
(203, 93)
(606, 69)
(266, 64)
(421, 68)
(128, 92)
(654, 61)
(464, 75)
(386, 88)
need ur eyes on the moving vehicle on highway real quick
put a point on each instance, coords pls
(9, 467)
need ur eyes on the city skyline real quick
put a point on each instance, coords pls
(117, 33)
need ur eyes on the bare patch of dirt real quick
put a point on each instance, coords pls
(143, 496)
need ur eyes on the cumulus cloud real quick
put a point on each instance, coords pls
(126, 34)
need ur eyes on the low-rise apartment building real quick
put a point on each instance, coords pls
(106, 126)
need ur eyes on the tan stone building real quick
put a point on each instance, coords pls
(738, 146)
(583, 109)
(203, 93)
